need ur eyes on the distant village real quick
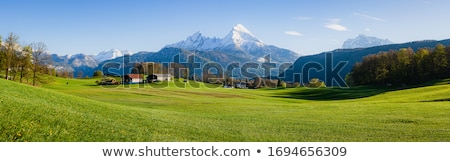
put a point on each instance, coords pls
(231, 82)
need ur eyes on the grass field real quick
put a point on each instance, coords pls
(82, 111)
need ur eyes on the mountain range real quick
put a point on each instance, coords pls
(238, 46)
(341, 62)
(239, 42)
(111, 54)
(363, 41)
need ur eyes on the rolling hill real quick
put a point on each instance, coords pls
(79, 111)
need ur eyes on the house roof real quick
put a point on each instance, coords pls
(135, 76)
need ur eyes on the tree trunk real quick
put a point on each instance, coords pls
(21, 74)
(7, 72)
(34, 74)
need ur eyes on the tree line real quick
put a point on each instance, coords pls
(400, 67)
(23, 62)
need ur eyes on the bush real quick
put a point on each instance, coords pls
(107, 81)
(316, 83)
(97, 74)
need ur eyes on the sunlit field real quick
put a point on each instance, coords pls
(79, 110)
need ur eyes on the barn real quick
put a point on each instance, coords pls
(159, 78)
(133, 78)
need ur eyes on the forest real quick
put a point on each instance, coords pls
(402, 67)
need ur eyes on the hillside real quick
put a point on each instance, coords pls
(79, 111)
(37, 114)
(347, 56)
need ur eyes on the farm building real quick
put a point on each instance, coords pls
(242, 85)
(133, 78)
(159, 78)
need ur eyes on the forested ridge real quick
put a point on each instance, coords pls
(400, 67)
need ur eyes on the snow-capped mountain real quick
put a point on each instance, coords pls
(78, 64)
(239, 45)
(197, 42)
(79, 60)
(111, 54)
(239, 41)
(239, 38)
(363, 41)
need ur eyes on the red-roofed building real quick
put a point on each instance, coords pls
(133, 78)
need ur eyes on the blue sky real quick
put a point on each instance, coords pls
(307, 27)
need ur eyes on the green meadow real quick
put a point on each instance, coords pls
(83, 111)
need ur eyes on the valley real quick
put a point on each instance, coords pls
(82, 111)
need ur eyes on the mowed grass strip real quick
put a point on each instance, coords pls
(81, 111)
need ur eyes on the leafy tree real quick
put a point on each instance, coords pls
(97, 74)
(419, 65)
(349, 79)
(402, 67)
(316, 83)
(282, 84)
(439, 61)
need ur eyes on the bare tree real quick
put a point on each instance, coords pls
(80, 74)
(11, 43)
(24, 61)
(2, 54)
(39, 57)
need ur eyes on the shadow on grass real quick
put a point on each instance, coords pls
(328, 94)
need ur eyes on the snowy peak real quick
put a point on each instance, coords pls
(239, 38)
(197, 42)
(240, 28)
(111, 54)
(363, 41)
(196, 37)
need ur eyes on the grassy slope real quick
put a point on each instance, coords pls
(82, 112)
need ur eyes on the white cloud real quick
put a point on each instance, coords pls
(367, 29)
(334, 25)
(364, 16)
(293, 33)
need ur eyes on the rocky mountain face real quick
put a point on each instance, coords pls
(238, 46)
(111, 54)
(82, 64)
(238, 42)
